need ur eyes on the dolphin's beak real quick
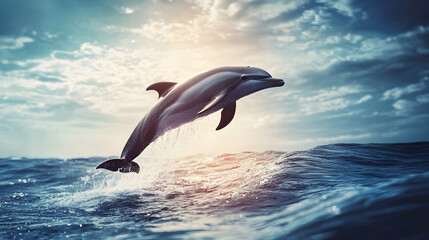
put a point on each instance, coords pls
(275, 81)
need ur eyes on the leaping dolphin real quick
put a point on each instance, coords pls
(183, 102)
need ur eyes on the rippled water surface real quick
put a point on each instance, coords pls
(341, 191)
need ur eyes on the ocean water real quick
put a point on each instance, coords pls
(339, 191)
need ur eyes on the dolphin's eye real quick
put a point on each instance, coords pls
(244, 78)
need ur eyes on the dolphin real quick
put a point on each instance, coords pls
(183, 102)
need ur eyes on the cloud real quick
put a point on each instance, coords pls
(346, 114)
(424, 98)
(403, 107)
(333, 99)
(332, 93)
(268, 10)
(96, 81)
(161, 31)
(127, 10)
(210, 21)
(325, 106)
(397, 92)
(342, 6)
(364, 99)
(387, 18)
(8, 43)
(418, 31)
(383, 65)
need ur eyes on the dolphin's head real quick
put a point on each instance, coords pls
(252, 79)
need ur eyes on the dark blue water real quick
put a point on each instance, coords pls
(340, 191)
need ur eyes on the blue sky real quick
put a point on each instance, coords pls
(73, 74)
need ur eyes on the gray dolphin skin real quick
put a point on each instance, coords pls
(183, 102)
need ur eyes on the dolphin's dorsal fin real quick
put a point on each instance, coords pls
(227, 115)
(161, 87)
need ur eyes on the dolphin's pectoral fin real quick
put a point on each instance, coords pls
(130, 167)
(227, 115)
(213, 102)
(161, 87)
(121, 165)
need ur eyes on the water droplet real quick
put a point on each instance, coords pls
(335, 209)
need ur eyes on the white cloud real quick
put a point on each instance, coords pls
(364, 99)
(289, 95)
(271, 10)
(332, 93)
(424, 98)
(324, 106)
(411, 34)
(317, 16)
(199, 26)
(50, 35)
(333, 99)
(372, 47)
(353, 38)
(397, 92)
(286, 39)
(310, 32)
(332, 40)
(345, 114)
(252, 10)
(403, 107)
(127, 10)
(170, 32)
(8, 43)
(107, 81)
(212, 20)
(343, 6)
(89, 49)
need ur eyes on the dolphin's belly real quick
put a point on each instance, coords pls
(171, 119)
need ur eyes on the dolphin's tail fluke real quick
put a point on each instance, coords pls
(121, 165)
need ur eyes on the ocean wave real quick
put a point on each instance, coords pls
(338, 191)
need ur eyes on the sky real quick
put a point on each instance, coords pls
(73, 74)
